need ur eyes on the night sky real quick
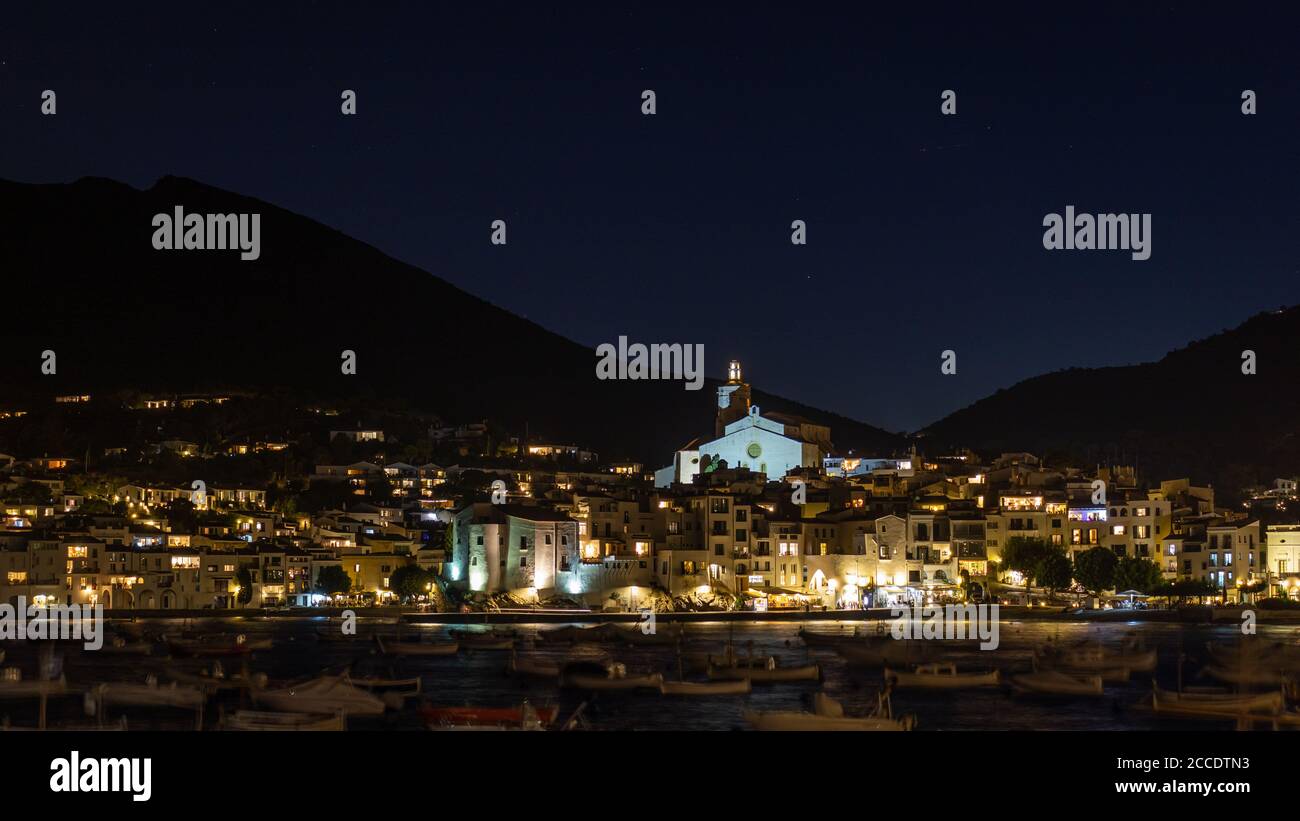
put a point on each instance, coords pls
(925, 231)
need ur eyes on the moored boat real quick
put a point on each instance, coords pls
(766, 674)
(616, 678)
(325, 695)
(941, 677)
(736, 687)
(1225, 704)
(413, 648)
(257, 720)
(524, 717)
(532, 668)
(828, 715)
(1056, 683)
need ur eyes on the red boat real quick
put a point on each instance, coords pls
(526, 717)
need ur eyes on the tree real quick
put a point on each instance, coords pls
(333, 579)
(1095, 569)
(244, 580)
(1054, 572)
(1142, 575)
(409, 581)
(1026, 556)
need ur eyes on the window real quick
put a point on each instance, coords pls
(523, 561)
(548, 538)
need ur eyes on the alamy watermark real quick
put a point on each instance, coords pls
(657, 361)
(76, 622)
(950, 622)
(1103, 232)
(208, 232)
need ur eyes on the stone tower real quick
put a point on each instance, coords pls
(733, 399)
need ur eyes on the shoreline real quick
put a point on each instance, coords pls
(1189, 615)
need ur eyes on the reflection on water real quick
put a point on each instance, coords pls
(478, 677)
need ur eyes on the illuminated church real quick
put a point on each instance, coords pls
(744, 436)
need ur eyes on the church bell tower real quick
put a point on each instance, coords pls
(733, 399)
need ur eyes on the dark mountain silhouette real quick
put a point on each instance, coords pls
(1193, 413)
(82, 279)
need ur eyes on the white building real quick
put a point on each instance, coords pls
(772, 444)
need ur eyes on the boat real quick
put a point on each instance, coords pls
(1247, 676)
(1056, 683)
(216, 681)
(485, 642)
(573, 634)
(257, 720)
(406, 686)
(616, 678)
(325, 695)
(149, 694)
(1094, 659)
(725, 687)
(338, 636)
(829, 640)
(413, 648)
(885, 652)
(666, 637)
(828, 715)
(766, 674)
(1273, 655)
(941, 677)
(524, 717)
(1225, 705)
(217, 646)
(532, 668)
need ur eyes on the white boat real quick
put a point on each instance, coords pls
(1226, 704)
(616, 678)
(412, 648)
(150, 695)
(767, 673)
(1095, 659)
(255, 720)
(532, 668)
(828, 715)
(408, 686)
(1056, 683)
(1248, 676)
(325, 695)
(941, 677)
(706, 688)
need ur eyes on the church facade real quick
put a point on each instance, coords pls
(773, 444)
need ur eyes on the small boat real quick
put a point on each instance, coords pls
(941, 677)
(1094, 659)
(885, 652)
(407, 686)
(573, 634)
(736, 687)
(1222, 705)
(325, 695)
(666, 637)
(828, 715)
(828, 640)
(532, 668)
(414, 648)
(767, 674)
(485, 642)
(339, 636)
(1056, 683)
(616, 678)
(256, 720)
(1249, 677)
(217, 646)
(150, 694)
(216, 681)
(524, 717)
